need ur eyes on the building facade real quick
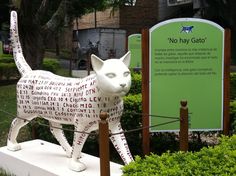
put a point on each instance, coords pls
(131, 17)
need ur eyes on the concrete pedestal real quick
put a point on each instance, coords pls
(41, 158)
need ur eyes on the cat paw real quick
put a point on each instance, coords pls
(13, 146)
(76, 166)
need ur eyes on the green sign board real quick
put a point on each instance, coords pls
(186, 63)
(134, 46)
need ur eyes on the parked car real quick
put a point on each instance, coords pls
(6, 47)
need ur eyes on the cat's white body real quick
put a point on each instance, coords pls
(63, 100)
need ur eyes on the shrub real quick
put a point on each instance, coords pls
(7, 56)
(233, 116)
(218, 160)
(131, 119)
(5, 173)
(132, 111)
(51, 65)
(233, 102)
(65, 54)
(136, 86)
(7, 60)
(8, 70)
(233, 86)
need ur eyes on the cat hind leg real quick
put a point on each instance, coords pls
(120, 143)
(57, 131)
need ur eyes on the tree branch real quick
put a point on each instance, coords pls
(42, 10)
(57, 18)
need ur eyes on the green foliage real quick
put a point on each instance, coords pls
(8, 70)
(132, 111)
(7, 56)
(0, 48)
(4, 173)
(81, 7)
(51, 65)
(218, 160)
(7, 103)
(163, 142)
(233, 86)
(233, 116)
(65, 54)
(233, 102)
(136, 85)
(131, 119)
(7, 60)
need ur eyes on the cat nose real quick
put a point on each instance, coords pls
(123, 85)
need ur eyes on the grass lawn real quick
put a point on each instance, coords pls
(8, 104)
(8, 110)
(0, 47)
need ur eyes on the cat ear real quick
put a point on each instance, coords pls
(97, 63)
(126, 59)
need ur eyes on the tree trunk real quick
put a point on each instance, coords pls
(30, 36)
(33, 34)
(33, 48)
(57, 44)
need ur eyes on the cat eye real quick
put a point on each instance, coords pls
(126, 74)
(111, 75)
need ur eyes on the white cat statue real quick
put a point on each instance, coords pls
(63, 100)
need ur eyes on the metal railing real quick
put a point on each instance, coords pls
(104, 132)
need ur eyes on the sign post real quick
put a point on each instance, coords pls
(227, 56)
(187, 62)
(188, 59)
(145, 91)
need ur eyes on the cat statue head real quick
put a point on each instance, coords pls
(113, 75)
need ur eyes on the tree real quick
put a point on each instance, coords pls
(219, 11)
(4, 19)
(39, 19)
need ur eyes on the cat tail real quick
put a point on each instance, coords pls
(20, 61)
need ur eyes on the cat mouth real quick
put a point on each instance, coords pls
(122, 92)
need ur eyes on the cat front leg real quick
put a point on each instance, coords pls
(120, 143)
(16, 125)
(78, 143)
(56, 130)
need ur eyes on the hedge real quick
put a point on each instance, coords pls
(51, 65)
(233, 86)
(233, 102)
(5, 173)
(7, 60)
(8, 69)
(136, 86)
(218, 160)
